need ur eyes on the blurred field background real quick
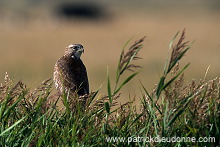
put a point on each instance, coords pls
(34, 34)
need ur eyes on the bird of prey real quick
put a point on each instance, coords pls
(70, 73)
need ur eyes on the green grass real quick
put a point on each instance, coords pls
(31, 117)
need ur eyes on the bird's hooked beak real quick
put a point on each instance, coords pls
(77, 54)
(81, 50)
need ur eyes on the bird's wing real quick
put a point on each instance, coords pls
(85, 84)
(81, 78)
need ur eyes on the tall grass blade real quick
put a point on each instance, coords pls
(93, 96)
(154, 119)
(170, 48)
(136, 119)
(174, 38)
(12, 126)
(3, 106)
(150, 97)
(178, 114)
(107, 107)
(109, 87)
(160, 86)
(165, 117)
(125, 82)
(66, 103)
(177, 59)
(174, 78)
(8, 110)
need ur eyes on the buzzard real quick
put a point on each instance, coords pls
(70, 74)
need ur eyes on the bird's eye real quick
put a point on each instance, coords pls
(76, 47)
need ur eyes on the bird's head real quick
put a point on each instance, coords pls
(74, 50)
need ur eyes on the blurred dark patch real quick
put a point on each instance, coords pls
(89, 11)
(215, 5)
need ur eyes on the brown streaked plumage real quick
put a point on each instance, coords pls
(70, 73)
